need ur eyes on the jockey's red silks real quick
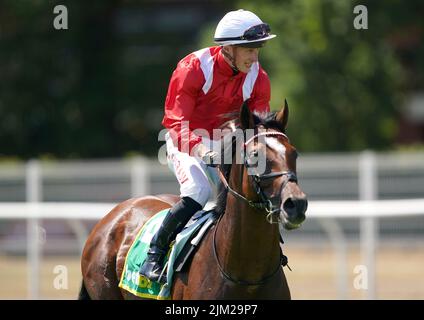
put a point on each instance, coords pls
(203, 90)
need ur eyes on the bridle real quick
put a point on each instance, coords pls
(264, 204)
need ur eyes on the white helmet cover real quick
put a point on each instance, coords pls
(241, 26)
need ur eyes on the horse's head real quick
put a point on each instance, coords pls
(270, 162)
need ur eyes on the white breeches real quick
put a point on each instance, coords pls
(193, 175)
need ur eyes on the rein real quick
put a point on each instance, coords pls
(228, 277)
(265, 204)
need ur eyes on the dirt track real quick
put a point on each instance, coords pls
(400, 275)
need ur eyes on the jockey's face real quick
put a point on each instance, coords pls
(244, 57)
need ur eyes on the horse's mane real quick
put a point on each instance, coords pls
(265, 119)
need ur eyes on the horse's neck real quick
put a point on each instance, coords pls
(247, 244)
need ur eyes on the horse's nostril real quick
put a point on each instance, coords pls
(295, 207)
(288, 205)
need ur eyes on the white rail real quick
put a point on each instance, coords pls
(33, 212)
(54, 210)
(316, 209)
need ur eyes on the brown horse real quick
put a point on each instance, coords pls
(239, 257)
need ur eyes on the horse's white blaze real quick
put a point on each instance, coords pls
(274, 144)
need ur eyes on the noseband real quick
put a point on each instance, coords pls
(267, 204)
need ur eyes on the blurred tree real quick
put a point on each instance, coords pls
(58, 94)
(344, 86)
(96, 89)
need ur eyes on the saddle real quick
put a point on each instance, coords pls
(182, 249)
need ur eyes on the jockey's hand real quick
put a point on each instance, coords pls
(211, 158)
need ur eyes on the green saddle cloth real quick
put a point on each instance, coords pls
(139, 285)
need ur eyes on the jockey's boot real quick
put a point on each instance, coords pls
(174, 222)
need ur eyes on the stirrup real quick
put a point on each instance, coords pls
(152, 267)
(154, 272)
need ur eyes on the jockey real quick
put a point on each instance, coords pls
(206, 86)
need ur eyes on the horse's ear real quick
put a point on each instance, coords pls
(283, 115)
(246, 117)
